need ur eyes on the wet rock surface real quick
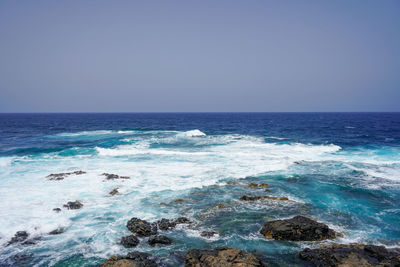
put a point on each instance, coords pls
(61, 176)
(141, 227)
(111, 176)
(221, 257)
(208, 234)
(73, 205)
(21, 237)
(298, 228)
(129, 241)
(133, 259)
(159, 239)
(254, 198)
(114, 191)
(56, 232)
(57, 210)
(351, 255)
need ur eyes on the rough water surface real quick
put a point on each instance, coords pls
(341, 169)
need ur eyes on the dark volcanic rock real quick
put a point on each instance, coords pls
(221, 257)
(19, 236)
(208, 234)
(159, 239)
(114, 191)
(254, 198)
(22, 238)
(61, 176)
(133, 259)
(56, 231)
(129, 241)
(352, 255)
(141, 227)
(57, 210)
(110, 176)
(298, 228)
(166, 224)
(73, 205)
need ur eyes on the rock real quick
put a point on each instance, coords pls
(73, 205)
(223, 256)
(253, 185)
(114, 191)
(129, 241)
(208, 234)
(19, 236)
(254, 198)
(61, 176)
(179, 200)
(141, 227)
(263, 185)
(166, 224)
(352, 255)
(57, 210)
(110, 176)
(133, 259)
(56, 231)
(298, 228)
(22, 238)
(159, 239)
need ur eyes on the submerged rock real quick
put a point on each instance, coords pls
(298, 228)
(114, 191)
(352, 255)
(159, 239)
(253, 185)
(73, 205)
(221, 257)
(208, 234)
(129, 241)
(56, 231)
(133, 259)
(141, 227)
(110, 176)
(254, 198)
(61, 176)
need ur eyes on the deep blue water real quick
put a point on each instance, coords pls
(340, 168)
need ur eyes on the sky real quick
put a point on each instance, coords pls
(199, 56)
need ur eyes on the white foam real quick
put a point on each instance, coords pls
(192, 133)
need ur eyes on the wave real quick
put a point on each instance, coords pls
(192, 133)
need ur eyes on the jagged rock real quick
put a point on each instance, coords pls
(219, 257)
(208, 234)
(254, 198)
(19, 236)
(352, 255)
(56, 231)
(159, 239)
(179, 200)
(298, 228)
(57, 210)
(61, 176)
(141, 227)
(110, 176)
(133, 259)
(129, 241)
(165, 224)
(114, 191)
(253, 185)
(73, 205)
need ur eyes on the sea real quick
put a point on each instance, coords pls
(342, 169)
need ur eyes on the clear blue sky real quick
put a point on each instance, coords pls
(140, 56)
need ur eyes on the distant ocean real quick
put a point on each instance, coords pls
(342, 169)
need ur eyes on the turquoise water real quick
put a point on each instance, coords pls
(341, 169)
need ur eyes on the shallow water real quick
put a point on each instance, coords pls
(342, 169)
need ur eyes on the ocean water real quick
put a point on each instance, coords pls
(342, 169)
